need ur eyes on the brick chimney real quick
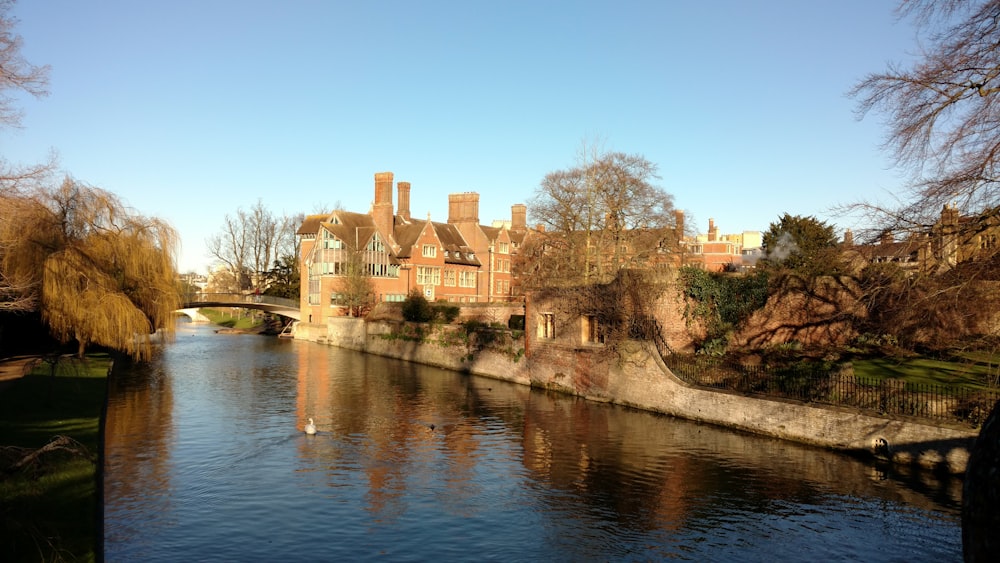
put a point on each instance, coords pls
(382, 210)
(518, 217)
(403, 199)
(679, 224)
(463, 208)
(713, 231)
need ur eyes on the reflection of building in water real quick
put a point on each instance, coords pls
(399, 430)
(312, 398)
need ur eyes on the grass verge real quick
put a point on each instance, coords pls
(928, 371)
(49, 506)
(244, 320)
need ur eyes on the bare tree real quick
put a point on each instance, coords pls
(942, 114)
(355, 287)
(18, 290)
(251, 243)
(603, 215)
(231, 247)
(16, 73)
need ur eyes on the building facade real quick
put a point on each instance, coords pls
(459, 261)
(719, 253)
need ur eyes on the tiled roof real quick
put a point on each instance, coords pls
(310, 226)
(453, 242)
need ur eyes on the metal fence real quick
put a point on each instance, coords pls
(840, 387)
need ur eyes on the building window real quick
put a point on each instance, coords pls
(428, 276)
(547, 325)
(503, 247)
(449, 277)
(429, 251)
(467, 279)
(592, 330)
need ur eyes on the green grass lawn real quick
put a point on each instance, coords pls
(223, 317)
(973, 373)
(49, 510)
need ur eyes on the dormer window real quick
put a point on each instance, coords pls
(429, 251)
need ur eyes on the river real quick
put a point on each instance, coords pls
(205, 459)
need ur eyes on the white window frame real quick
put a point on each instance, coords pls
(428, 275)
(466, 279)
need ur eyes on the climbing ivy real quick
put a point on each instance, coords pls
(721, 301)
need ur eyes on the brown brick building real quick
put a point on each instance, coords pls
(460, 261)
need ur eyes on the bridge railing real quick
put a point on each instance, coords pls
(241, 298)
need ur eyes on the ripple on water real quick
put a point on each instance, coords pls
(208, 462)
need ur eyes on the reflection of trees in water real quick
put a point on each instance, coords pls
(137, 432)
(405, 425)
(657, 471)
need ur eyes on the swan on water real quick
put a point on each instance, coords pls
(310, 428)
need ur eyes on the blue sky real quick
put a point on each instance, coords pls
(189, 110)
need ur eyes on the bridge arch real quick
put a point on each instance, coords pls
(276, 305)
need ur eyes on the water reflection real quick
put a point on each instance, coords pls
(412, 462)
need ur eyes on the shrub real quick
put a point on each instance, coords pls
(416, 309)
(447, 313)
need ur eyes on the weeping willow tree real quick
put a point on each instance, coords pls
(102, 273)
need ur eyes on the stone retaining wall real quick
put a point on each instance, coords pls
(638, 378)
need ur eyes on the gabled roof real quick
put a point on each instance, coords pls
(406, 236)
(457, 251)
(310, 225)
(491, 232)
(452, 241)
(355, 229)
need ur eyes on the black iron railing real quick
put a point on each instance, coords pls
(840, 387)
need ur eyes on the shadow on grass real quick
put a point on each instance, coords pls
(48, 506)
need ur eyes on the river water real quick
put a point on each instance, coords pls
(205, 459)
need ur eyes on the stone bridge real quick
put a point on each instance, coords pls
(277, 305)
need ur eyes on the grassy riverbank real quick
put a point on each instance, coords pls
(49, 503)
(242, 319)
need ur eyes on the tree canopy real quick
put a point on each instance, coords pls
(250, 245)
(604, 214)
(941, 110)
(97, 272)
(802, 244)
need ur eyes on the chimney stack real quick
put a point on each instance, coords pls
(463, 208)
(713, 231)
(382, 210)
(518, 217)
(403, 199)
